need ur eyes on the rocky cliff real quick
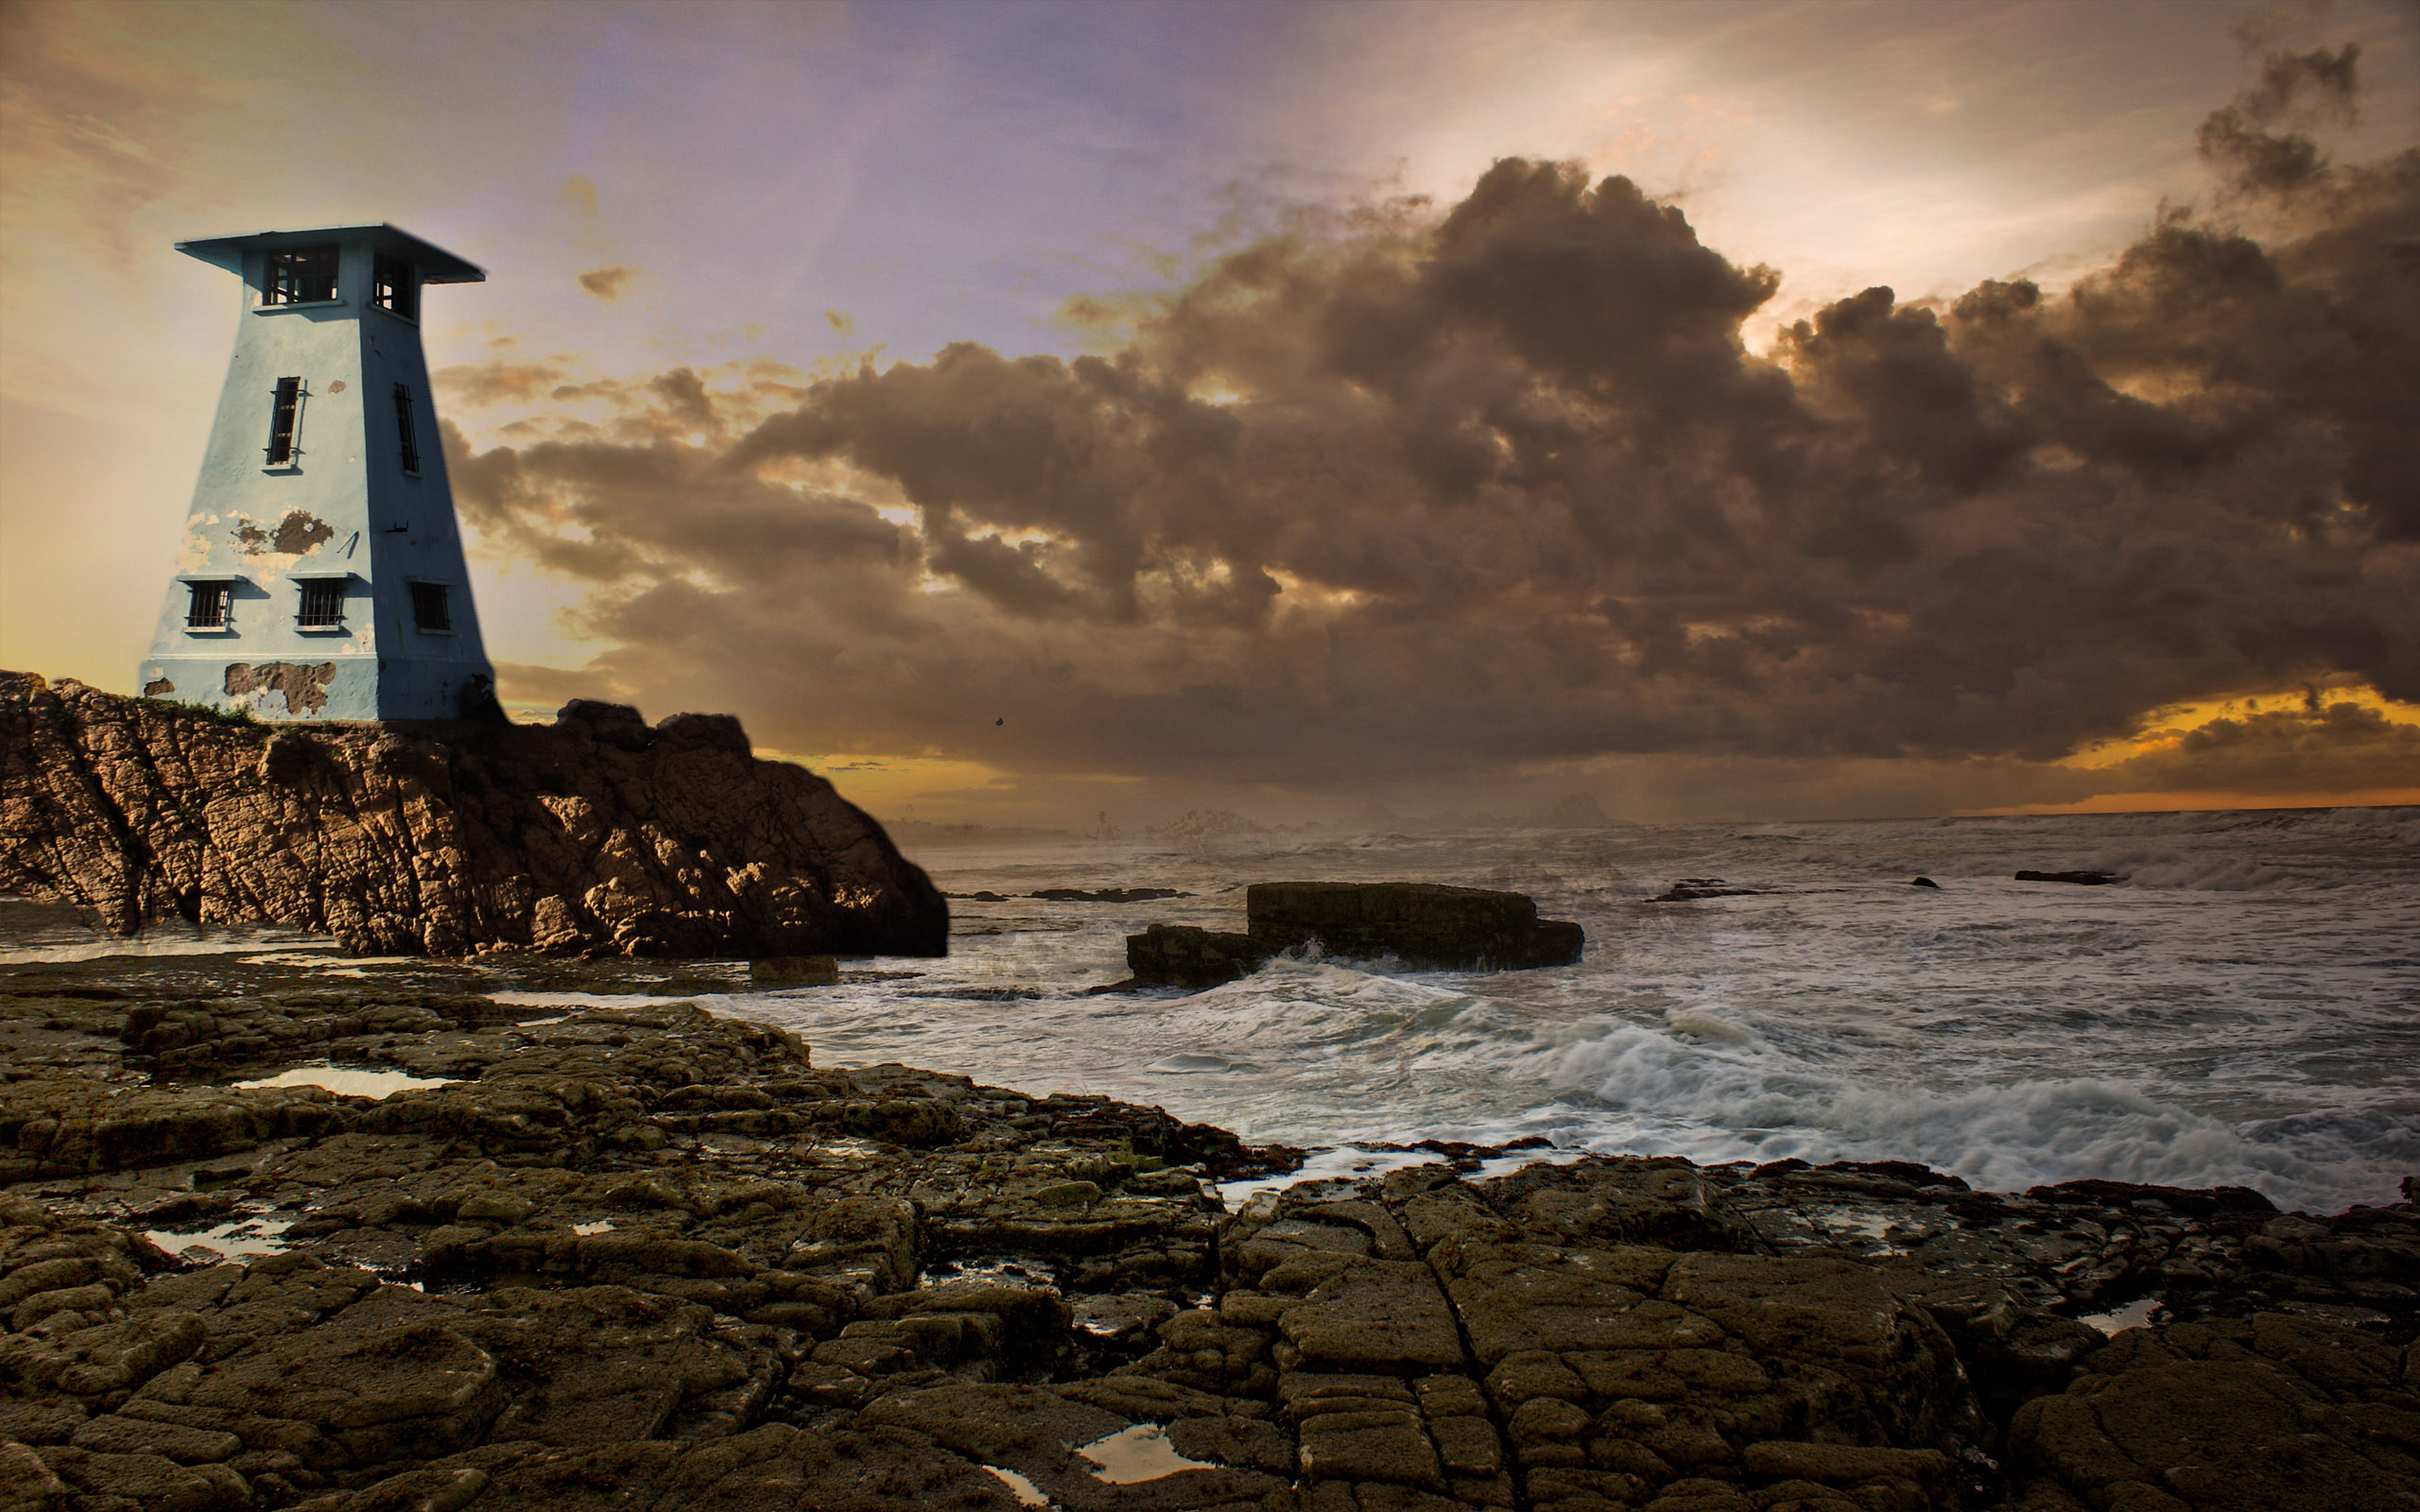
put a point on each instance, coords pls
(594, 834)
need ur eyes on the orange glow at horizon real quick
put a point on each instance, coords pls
(2163, 729)
(2370, 798)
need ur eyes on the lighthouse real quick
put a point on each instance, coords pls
(320, 575)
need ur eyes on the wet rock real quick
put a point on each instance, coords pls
(1425, 925)
(2080, 879)
(26, 1481)
(794, 971)
(1185, 956)
(2271, 1412)
(596, 835)
(1696, 890)
(150, 1481)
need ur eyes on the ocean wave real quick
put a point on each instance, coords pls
(1327, 1006)
(1756, 1101)
(2236, 1020)
(2170, 867)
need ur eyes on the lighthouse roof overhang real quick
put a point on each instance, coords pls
(435, 265)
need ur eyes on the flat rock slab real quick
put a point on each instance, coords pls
(1425, 925)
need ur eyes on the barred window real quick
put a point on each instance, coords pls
(208, 610)
(285, 412)
(404, 430)
(304, 275)
(393, 288)
(322, 604)
(429, 609)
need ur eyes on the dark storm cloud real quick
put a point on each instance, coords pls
(1429, 494)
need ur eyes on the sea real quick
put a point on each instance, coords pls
(2241, 1008)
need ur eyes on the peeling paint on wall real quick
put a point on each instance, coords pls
(158, 688)
(300, 531)
(305, 686)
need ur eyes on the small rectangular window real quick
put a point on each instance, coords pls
(208, 610)
(284, 415)
(323, 605)
(392, 286)
(304, 275)
(405, 431)
(429, 608)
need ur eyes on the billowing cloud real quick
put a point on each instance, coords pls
(1457, 493)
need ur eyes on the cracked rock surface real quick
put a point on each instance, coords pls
(594, 834)
(639, 1255)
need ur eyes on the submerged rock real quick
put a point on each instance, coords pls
(794, 971)
(594, 834)
(1696, 889)
(2080, 879)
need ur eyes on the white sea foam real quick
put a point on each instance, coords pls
(2166, 865)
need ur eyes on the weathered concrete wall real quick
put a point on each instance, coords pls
(593, 835)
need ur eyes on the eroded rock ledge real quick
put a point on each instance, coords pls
(645, 1258)
(596, 833)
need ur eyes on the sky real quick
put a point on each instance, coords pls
(1057, 414)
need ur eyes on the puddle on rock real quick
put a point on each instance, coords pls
(1135, 1455)
(1883, 1229)
(321, 961)
(1026, 1493)
(2135, 1315)
(1123, 1316)
(994, 1270)
(1344, 1160)
(248, 1235)
(1496, 1165)
(349, 1081)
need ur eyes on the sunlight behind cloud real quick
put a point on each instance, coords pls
(1380, 523)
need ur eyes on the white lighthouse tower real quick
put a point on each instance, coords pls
(322, 575)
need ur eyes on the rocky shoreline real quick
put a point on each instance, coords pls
(636, 1255)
